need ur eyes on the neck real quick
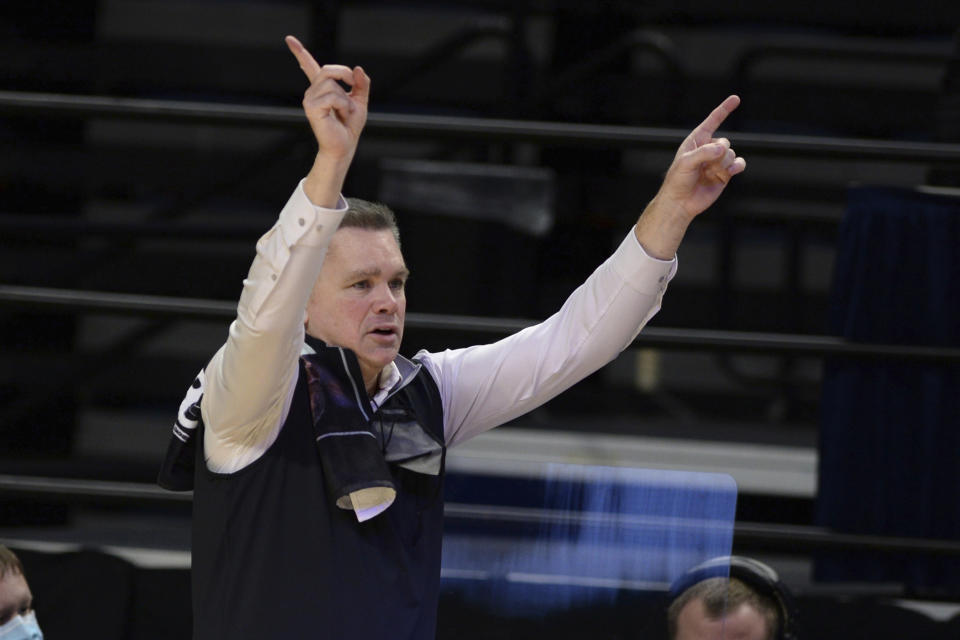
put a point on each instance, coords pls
(372, 382)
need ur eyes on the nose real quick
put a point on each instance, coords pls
(386, 300)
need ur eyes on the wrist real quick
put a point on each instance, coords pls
(324, 183)
(661, 228)
(668, 211)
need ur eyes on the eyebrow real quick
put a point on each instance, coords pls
(372, 273)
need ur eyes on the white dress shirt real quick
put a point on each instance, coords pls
(251, 379)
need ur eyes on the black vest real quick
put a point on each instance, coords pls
(274, 557)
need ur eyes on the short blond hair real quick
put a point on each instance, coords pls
(9, 563)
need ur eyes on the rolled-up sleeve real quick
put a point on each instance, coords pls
(249, 379)
(487, 385)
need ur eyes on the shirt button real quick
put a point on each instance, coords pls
(273, 276)
(302, 222)
(319, 228)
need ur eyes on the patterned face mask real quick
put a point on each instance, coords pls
(22, 628)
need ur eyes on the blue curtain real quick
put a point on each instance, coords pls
(890, 429)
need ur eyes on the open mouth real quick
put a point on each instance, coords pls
(384, 332)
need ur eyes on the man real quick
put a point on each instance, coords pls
(17, 618)
(731, 598)
(319, 459)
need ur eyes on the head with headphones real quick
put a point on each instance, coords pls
(739, 596)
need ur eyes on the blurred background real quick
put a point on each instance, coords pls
(809, 346)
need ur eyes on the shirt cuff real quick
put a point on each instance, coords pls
(302, 222)
(639, 270)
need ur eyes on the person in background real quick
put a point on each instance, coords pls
(746, 601)
(18, 621)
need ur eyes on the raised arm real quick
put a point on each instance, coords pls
(249, 380)
(487, 385)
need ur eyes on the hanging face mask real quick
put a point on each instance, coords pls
(22, 628)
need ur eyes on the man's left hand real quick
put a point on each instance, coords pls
(703, 166)
(698, 175)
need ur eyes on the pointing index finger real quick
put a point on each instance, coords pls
(708, 127)
(308, 65)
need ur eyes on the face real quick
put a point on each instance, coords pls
(15, 596)
(358, 301)
(744, 623)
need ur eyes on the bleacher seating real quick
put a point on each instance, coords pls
(151, 206)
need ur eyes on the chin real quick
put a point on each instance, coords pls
(391, 357)
(381, 357)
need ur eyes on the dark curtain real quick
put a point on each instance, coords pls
(890, 429)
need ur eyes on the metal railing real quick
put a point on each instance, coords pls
(467, 128)
(794, 538)
(75, 301)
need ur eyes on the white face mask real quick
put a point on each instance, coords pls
(22, 628)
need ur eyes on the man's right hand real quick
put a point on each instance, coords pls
(336, 117)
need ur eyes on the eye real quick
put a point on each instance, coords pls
(397, 284)
(361, 285)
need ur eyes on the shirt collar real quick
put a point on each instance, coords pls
(390, 377)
